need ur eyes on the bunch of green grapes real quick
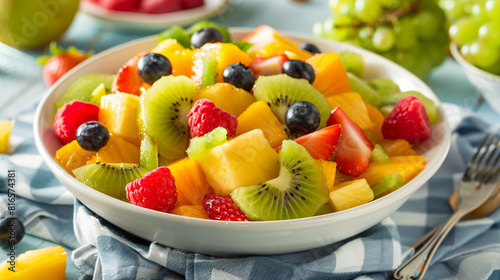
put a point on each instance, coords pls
(411, 33)
(478, 35)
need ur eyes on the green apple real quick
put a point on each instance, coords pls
(34, 23)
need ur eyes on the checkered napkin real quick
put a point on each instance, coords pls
(470, 251)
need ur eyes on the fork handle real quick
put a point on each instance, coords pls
(422, 258)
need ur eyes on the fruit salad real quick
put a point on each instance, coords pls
(260, 129)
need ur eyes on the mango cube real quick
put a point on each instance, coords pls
(243, 161)
(350, 194)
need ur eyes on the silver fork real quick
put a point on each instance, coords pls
(478, 182)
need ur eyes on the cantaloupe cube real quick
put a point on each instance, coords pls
(350, 194)
(40, 264)
(406, 166)
(118, 113)
(194, 211)
(245, 160)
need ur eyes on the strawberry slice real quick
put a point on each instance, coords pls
(70, 116)
(127, 79)
(322, 143)
(354, 151)
(268, 66)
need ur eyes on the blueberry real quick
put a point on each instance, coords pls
(153, 66)
(310, 48)
(92, 136)
(11, 231)
(206, 35)
(239, 76)
(302, 117)
(299, 69)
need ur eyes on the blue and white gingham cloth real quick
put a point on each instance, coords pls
(103, 251)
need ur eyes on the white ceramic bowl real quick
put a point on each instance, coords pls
(487, 83)
(239, 238)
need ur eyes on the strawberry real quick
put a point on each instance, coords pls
(127, 79)
(60, 62)
(321, 144)
(408, 120)
(354, 151)
(268, 66)
(159, 6)
(190, 4)
(120, 5)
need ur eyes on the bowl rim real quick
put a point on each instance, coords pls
(367, 208)
(469, 66)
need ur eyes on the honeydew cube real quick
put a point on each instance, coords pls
(350, 194)
(245, 160)
(118, 113)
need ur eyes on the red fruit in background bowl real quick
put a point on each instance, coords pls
(159, 6)
(190, 4)
(120, 5)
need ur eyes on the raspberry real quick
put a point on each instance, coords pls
(156, 190)
(408, 120)
(70, 116)
(204, 117)
(222, 208)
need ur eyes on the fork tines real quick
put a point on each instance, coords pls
(484, 163)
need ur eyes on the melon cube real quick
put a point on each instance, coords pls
(350, 194)
(118, 113)
(245, 160)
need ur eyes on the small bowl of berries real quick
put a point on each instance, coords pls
(264, 144)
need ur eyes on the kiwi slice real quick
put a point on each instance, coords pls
(352, 62)
(199, 145)
(163, 114)
(281, 91)
(298, 192)
(367, 93)
(83, 88)
(109, 178)
(379, 154)
(149, 153)
(206, 24)
(175, 32)
(208, 68)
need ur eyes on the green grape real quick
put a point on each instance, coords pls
(483, 55)
(341, 6)
(408, 58)
(435, 52)
(453, 9)
(465, 30)
(352, 62)
(492, 8)
(367, 10)
(318, 29)
(338, 27)
(392, 4)
(478, 10)
(494, 68)
(364, 37)
(406, 37)
(465, 51)
(426, 24)
(489, 33)
(383, 39)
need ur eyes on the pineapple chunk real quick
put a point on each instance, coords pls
(194, 211)
(354, 107)
(398, 147)
(259, 116)
(46, 263)
(330, 170)
(245, 160)
(350, 194)
(167, 47)
(190, 182)
(227, 97)
(406, 166)
(118, 113)
(5, 130)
